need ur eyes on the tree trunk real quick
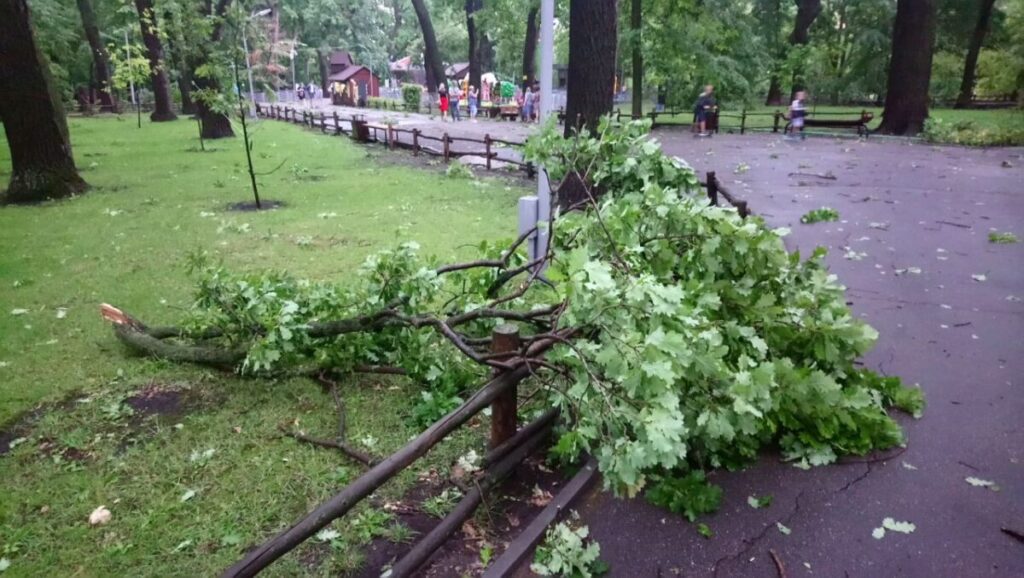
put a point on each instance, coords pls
(774, 92)
(396, 8)
(530, 47)
(807, 12)
(592, 42)
(636, 24)
(971, 64)
(42, 166)
(213, 124)
(485, 48)
(474, 41)
(162, 103)
(321, 63)
(910, 68)
(101, 82)
(431, 55)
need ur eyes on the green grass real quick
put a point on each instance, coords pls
(760, 117)
(154, 200)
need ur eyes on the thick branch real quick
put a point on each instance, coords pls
(345, 448)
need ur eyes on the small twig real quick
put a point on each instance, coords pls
(778, 563)
(961, 225)
(828, 176)
(1013, 533)
(346, 449)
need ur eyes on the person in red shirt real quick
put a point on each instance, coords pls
(442, 95)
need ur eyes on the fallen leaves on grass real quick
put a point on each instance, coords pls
(100, 516)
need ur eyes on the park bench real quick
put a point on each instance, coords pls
(819, 121)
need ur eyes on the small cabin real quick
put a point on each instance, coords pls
(353, 83)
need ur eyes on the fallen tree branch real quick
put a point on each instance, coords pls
(338, 505)
(492, 263)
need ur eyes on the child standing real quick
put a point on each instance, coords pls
(797, 112)
(474, 102)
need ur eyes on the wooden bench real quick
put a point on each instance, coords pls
(509, 112)
(861, 124)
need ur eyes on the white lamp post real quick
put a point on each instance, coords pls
(535, 211)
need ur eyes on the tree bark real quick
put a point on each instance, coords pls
(807, 12)
(592, 42)
(162, 103)
(101, 81)
(185, 88)
(910, 68)
(636, 24)
(971, 63)
(33, 116)
(530, 47)
(213, 124)
(774, 92)
(474, 41)
(321, 63)
(431, 55)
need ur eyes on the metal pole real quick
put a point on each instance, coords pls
(547, 65)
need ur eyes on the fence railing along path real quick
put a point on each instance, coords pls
(446, 146)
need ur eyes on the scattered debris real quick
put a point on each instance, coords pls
(99, 516)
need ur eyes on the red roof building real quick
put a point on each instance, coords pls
(353, 83)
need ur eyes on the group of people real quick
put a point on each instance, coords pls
(449, 101)
(706, 106)
(529, 103)
(308, 93)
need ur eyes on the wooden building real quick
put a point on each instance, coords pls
(353, 83)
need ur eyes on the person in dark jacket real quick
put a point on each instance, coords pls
(704, 106)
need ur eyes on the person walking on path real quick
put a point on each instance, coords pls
(474, 102)
(528, 102)
(797, 113)
(442, 101)
(300, 92)
(455, 95)
(702, 108)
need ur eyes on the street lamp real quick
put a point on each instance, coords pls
(245, 47)
(535, 211)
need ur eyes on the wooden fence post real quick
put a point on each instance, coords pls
(337, 123)
(743, 121)
(504, 340)
(323, 122)
(775, 126)
(712, 184)
(487, 145)
(415, 142)
(447, 146)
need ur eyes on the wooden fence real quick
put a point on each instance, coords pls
(495, 152)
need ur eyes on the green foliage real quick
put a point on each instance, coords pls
(819, 215)
(1002, 237)
(411, 96)
(566, 552)
(688, 495)
(440, 505)
(967, 132)
(457, 170)
(707, 340)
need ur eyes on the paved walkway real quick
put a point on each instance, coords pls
(902, 207)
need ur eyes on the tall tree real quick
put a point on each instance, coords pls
(100, 59)
(431, 56)
(33, 116)
(592, 44)
(906, 99)
(472, 6)
(635, 26)
(530, 46)
(162, 103)
(213, 123)
(771, 19)
(807, 12)
(971, 63)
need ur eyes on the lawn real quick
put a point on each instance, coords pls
(191, 489)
